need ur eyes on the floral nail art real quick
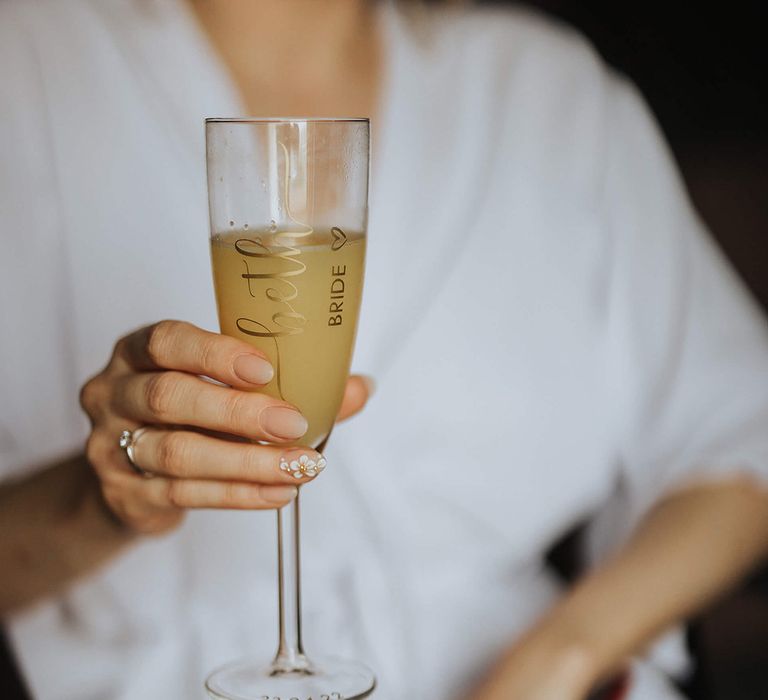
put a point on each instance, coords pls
(303, 466)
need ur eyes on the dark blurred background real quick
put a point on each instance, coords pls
(703, 67)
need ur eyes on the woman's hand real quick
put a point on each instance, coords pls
(190, 444)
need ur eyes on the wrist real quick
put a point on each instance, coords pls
(573, 662)
(582, 648)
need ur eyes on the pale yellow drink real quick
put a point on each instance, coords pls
(296, 297)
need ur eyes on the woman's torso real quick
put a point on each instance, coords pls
(486, 438)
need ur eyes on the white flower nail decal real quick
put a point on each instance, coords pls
(303, 466)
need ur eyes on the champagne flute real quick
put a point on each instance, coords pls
(288, 211)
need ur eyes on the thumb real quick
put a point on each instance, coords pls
(356, 394)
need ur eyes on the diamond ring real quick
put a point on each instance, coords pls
(127, 442)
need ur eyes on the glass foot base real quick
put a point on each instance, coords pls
(332, 679)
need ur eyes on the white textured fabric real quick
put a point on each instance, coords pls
(549, 325)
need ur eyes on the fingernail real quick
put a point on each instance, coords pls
(301, 464)
(283, 422)
(279, 494)
(253, 369)
(370, 384)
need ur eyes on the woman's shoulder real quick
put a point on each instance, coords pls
(533, 87)
(532, 71)
(525, 26)
(519, 37)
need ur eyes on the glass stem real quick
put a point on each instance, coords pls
(290, 657)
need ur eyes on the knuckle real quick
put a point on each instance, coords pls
(235, 494)
(120, 349)
(155, 342)
(250, 464)
(87, 398)
(172, 452)
(161, 337)
(160, 393)
(175, 493)
(95, 451)
(209, 354)
(91, 395)
(234, 408)
(91, 449)
(120, 346)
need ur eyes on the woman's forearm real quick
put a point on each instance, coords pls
(54, 527)
(690, 548)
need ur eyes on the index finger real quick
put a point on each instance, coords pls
(177, 345)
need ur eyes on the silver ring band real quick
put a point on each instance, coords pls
(127, 442)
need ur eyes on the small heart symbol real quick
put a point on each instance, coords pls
(339, 238)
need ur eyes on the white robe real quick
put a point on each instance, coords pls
(552, 331)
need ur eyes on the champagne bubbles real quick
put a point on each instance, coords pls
(272, 226)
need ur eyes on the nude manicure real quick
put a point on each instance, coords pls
(282, 422)
(253, 369)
